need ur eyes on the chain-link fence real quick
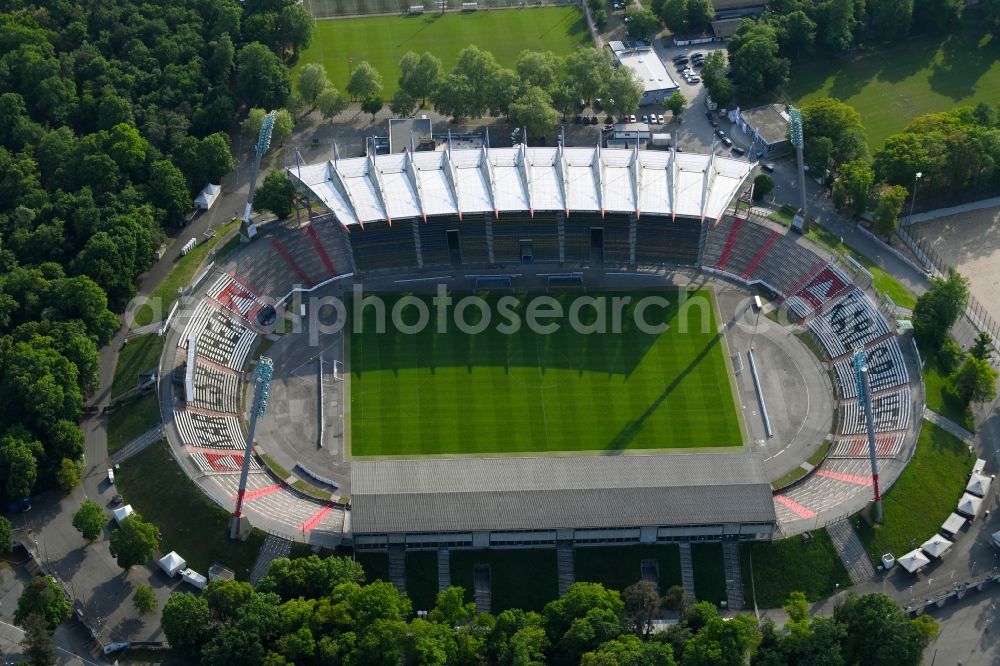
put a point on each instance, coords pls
(344, 8)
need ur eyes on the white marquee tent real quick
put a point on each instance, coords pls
(979, 485)
(207, 196)
(970, 505)
(171, 563)
(122, 512)
(936, 546)
(913, 561)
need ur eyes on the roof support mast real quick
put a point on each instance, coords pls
(860, 362)
(262, 389)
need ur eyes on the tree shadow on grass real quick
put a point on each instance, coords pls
(966, 57)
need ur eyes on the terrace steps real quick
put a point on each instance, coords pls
(734, 577)
(852, 552)
(397, 567)
(565, 565)
(272, 548)
(416, 243)
(687, 570)
(444, 569)
(482, 581)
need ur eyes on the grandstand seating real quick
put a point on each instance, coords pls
(616, 237)
(221, 339)
(472, 239)
(285, 506)
(224, 463)
(215, 390)
(576, 238)
(380, 245)
(886, 446)
(236, 295)
(330, 235)
(660, 240)
(820, 289)
(890, 411)
(716, 237)
(783, 266)
(744, 248)
(886, 369)
(209, 431)
(512, 228)
(851, 322)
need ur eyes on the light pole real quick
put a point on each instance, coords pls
(917, 176)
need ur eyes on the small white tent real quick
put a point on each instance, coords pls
(207, 196)
(954, 523)
(192, 577)
(970, 505)
(913, 561)
(979, 485)
(936, 546)
(172, 563)
(123, 512)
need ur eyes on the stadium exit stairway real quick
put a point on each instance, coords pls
(687, 570)
(734, 577)
(565, 565)
(397, 567)
(444, 569)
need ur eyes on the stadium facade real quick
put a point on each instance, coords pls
(496, 208)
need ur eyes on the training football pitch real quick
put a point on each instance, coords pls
(382, 40)
(522, 391)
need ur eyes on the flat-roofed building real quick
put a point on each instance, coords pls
(657, 84)
(767, 126)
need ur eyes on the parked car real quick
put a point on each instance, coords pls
(579, 119)
(739, 151)
(681, 59)
(694, 79)
(645, 118)
(720, 133)
(727, 141)
(697, 54)
(659, 118)
(631, 117)
(768, 167)
(594, 120)
(713, 122)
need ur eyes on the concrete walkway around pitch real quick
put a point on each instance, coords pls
(950, 426)
(951, 210)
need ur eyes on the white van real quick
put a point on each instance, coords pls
(111, 476)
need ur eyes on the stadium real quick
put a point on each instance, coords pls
(666, 430)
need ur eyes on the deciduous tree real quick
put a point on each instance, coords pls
(43, 598)
(533, 111)
(331, 102)
(144, 599)
(68, 476)
(89, 520)
(187, 623)
(938, 309)
(975, 381)
(134, 541)
(276, 195)
(365, 82)
(263, 80)
(312, 82)
(890, 202)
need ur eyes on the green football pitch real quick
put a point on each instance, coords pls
(382, 40)
(497, 391)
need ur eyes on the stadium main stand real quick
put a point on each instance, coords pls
(468, 234)
(538, 236)
(384, 245)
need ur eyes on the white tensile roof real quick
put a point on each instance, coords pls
(954, 523)
(478, 180)
(122, 512)
(969, 505)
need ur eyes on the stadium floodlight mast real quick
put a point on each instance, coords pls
(916, 177)
(262, 390)
(860, 362)
(798, 140)
(247, 229)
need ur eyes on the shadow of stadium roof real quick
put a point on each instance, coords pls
(470, 494)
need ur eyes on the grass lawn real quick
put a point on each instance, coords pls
(523, 579)
(382, 40)
(142, 353)
(376, 565)
(422, 578)
(190, 523)
(891, 84)
(923, 496)
(453, 392)
(939, 399)
(618, 567)
(131, 420)
(709, 572)
(790, 565)
(181, 276)
(883, 281)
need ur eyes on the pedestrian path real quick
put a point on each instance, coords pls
(564, 564)
(734, 576)
(852, 552)
(444, 569)
(949, 425)
(272, 548)
(137, 445)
